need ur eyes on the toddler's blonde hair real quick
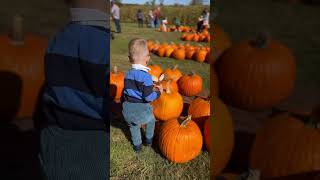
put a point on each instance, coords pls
(137, 49)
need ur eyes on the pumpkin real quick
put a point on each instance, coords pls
(221, 136)
(257, 74)
(169, 105)
(202, 37)
(116, 83)
(155, 48)
(288, 143)
(220, 42)
(155, 70)
(189, 37)
(179, 54)
(195, 37)
(171, 84)
(200, 55)
(190, 84)
(22, 54)
(183, 36)
(180, 142)
(200, 110)
(161, 51)
(189, 53)
(169, 51)
(173, 73)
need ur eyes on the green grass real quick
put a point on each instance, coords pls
(297, 26)
(151, 164)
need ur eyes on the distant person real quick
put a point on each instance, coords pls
(176, 22)
(163, 26)
(203, 20)
(151, 19)
(115, 12)
(157, 16)
(140, 18)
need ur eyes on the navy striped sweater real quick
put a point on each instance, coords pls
(76, 75)
(138, 87)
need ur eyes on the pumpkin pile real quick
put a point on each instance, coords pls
(173, 28)
(198, 53)
(203, 36)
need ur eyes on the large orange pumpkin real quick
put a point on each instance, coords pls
(23, 55)
(169, 105)
(289, 143)
(200, 110)
(256, 74)
(179, 54)
(155, 70)
(180, 142)
(173, 73)
(221, 136)
(190, 84)
(220, 41)
(116, 83)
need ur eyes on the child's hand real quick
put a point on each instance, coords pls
(159, 87)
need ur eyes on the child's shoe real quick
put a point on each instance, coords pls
(148, 142)
(138, 148)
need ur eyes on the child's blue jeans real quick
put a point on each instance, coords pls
(136, 114)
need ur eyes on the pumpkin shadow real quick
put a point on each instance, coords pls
(19, 149)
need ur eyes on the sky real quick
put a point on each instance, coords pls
(166, 2)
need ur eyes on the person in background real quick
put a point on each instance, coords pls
(140, 18)
(115, 12)
(163, 26)
(176, 22)
(73, 106)
(151, 19)
(203, 20)
(157, 16)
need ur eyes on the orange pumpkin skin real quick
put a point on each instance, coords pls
(172, 85)
(169, 51)
(214, 88)
(190, 53)
(195, 37)
(255, 78)
(179, 54)
(180, 143)
(190, 84)
(161, 51)
(27, 61)
(200, 55)
(286, 145)
(155, 70)
(169, 105)
(189, 37)
(173, 73)
(221, 136)
(200, 111)
(206, 133)
(116, 83)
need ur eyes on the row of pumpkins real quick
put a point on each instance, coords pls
(256, 74)
(180, 51)
(203, 36)
(173, 28)
(186, 133)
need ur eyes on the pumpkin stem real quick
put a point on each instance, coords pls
(16, 34)
(175, 67)
(115, 69)
(168, 91)
(192, 73)
(261, 40)
(186, 121)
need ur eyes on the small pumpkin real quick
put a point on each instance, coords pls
(179, 54)
(169, 105)
(200, 55)
(169, 51)
(200, 110)
(161, 51)
(173, 73)
(288, 143)
(190, 84)
(257, 74)
(195, 37)
(116, 83)
(189, 37)
(155, 70)
(189, 53)
(180, 142)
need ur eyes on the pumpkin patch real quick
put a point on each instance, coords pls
(116, 83)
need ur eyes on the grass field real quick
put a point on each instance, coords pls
(150, 164)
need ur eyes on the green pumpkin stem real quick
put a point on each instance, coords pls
(186, 121)
(16, 34)
(261, 40)
(175, 67)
